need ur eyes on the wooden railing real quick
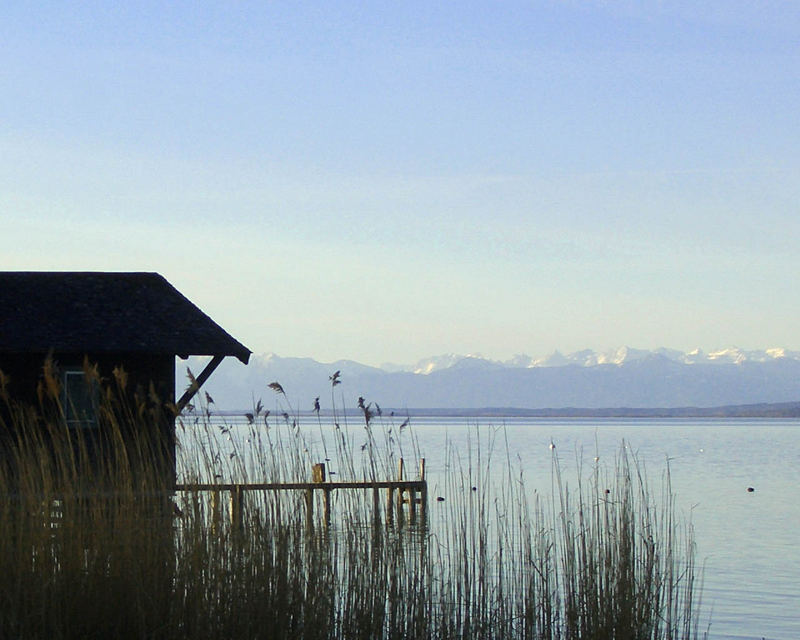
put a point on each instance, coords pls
(399, 493)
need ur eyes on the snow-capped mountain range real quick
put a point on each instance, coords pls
(591, 358)
(623, 377)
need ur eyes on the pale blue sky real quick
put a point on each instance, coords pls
(390, 180)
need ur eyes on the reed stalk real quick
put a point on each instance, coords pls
(101, 546)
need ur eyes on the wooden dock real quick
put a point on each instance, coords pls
(399, 493)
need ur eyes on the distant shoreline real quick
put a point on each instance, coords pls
(787, 410)
(762, 410)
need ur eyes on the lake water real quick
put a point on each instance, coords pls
(747, 541)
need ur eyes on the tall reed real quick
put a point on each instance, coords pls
(107, 549)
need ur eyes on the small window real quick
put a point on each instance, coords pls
(80, 400)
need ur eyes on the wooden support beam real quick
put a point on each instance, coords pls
(400, 492)
(423, 495)
(199, 381)
(310, 510)
(400, 514)
(216, 511)
(389, 504)
(394, 503)
(318, 477)
(423, 506)
(417, 485)
(326, 507)
(237, 509)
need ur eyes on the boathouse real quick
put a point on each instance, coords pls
(109, 324)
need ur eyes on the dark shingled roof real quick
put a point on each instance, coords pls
(88, 312)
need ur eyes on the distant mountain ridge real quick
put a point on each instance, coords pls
(591, 358)
(624, 377)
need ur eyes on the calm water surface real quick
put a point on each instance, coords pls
(747, 542)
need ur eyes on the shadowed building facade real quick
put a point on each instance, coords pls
(92, 331)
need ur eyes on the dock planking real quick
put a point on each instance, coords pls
(406, 492)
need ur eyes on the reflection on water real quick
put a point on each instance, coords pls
(747, 541)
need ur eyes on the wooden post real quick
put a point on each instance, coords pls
(216, 511)
(399, 506)
(310, 509)
(326, 507)
(198, 382)
(400, 492)
(318, 477)
(236, 508)
(389, 505)
(412, 506)
(423, 495)
(376, 505)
